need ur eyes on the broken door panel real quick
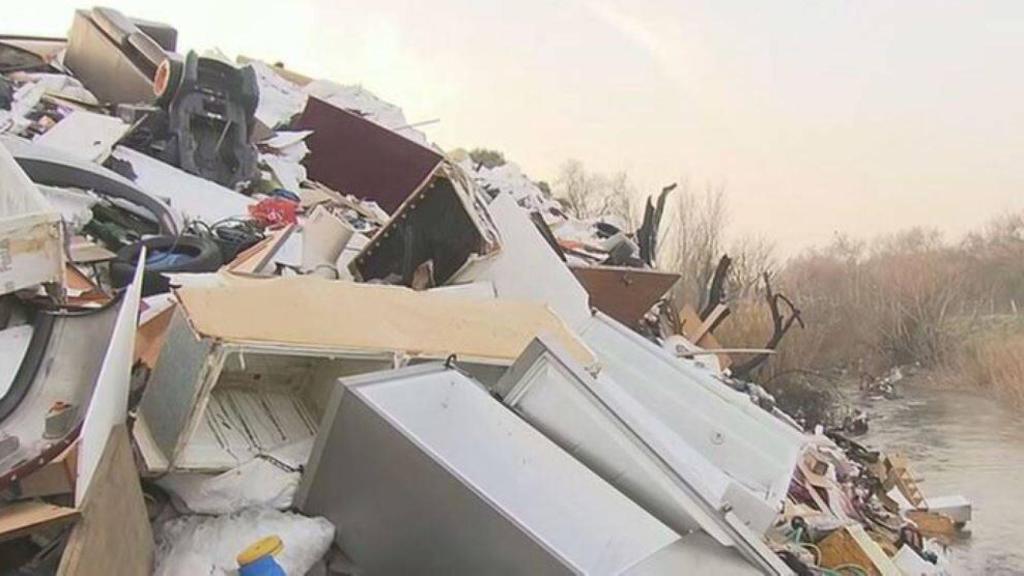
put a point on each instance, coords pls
(722, 425)
(356, 156)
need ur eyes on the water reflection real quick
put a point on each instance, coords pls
(961, 442)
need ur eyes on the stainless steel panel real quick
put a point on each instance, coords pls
(423, 472)
(173, 388)
(593, 420)
(722, 425)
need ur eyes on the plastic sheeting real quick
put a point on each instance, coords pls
(208, 545)
(263, 482)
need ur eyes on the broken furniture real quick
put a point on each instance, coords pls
(248, 367)
(625, 294)
(438, 229)
(852, 545)
(490, 494)
(356, 156)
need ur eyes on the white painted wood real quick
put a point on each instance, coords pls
(109, 404)
(84, 134)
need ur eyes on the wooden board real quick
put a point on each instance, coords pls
(933, 524)
(23, 518)
(149, 338)
(55, 477)
(254, 259)
(852, 545)
(312, 311)
(625, 294)
(114, 537)
(691, 324)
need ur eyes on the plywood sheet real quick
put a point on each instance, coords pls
(23, 518)
(114, 537)
(313, 311)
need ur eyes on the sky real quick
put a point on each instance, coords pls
(817, 117)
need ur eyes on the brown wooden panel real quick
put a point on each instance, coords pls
(625, 294)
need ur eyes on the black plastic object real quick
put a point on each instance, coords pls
(202, 121)
(164, 254)
(210, 119)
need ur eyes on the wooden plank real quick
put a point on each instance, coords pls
(372, 318)
(149, 338)
(691, 324)
(23, 518)
(255, 258)
(55, 477)
(933, 524)
(852, 545)
(114, 537)
(705, 327)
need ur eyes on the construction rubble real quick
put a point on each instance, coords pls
(255, 322)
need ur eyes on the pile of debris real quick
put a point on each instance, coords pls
(251, 320)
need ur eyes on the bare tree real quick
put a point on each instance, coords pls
(589, 194)
(752, 256)
(694, 240)
(576, 189)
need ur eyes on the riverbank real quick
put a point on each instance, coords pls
(961, 442)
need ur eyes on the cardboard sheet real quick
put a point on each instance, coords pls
(312, 311)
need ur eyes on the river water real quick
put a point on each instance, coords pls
(963, 442)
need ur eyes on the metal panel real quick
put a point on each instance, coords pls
(583, 416)
(697, 554)
(173, 387)
(557, 397)
(423, 472)
(722, 425)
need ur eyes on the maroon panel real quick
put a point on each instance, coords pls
(355, 156)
